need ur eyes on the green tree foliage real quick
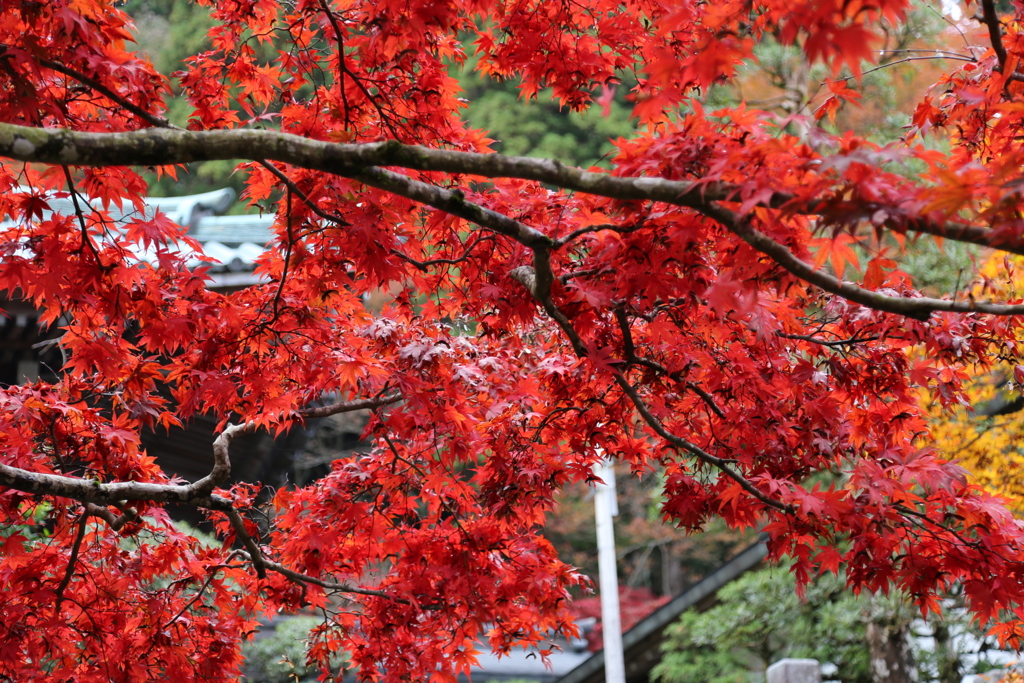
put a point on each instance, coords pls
(539, 127)
(281, 656)
(761, 619)
(169, 31)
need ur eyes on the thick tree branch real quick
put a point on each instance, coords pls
(164, 146)
(361, 162)
(221, 460)
(197, 493)
(97, 495)
(91, 491)
(918, 307)
(116, 523)
(995, 32)
(255, 554)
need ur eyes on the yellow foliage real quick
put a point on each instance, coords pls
(987, 436)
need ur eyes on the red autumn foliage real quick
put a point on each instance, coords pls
(634, 605)
(674, 313)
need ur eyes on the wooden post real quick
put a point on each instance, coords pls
(606, 507)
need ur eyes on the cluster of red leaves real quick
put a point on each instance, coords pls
(634, 605)
(669, 336)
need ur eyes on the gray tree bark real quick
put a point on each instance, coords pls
(892, 660)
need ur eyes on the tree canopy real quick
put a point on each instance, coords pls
(690, 310)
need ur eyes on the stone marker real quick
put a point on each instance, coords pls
(794, 671)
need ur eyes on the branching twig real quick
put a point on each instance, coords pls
(349, 406)
(76, 546)
(908, 59)
(622, 230)
(693, 449)
(424, 265)
(86, 240)
(206, 584)
(344, 70)
(123, 102)
(633, 358)
(540, 286)
(303, 197)
(329, 585)
(825, 342)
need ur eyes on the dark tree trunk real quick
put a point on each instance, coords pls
(947, 659)
(891, 658)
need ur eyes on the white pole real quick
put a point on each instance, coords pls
(606, 507)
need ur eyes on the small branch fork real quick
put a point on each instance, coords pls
(537, 281)
(97, 497)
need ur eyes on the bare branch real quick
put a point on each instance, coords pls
(92, 491)
(349, 406)
(111, 493)
(329, 585)
(221, 460)
(159, 147)
(196, 493)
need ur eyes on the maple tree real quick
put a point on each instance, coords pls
(686, 310)
(983, 434)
